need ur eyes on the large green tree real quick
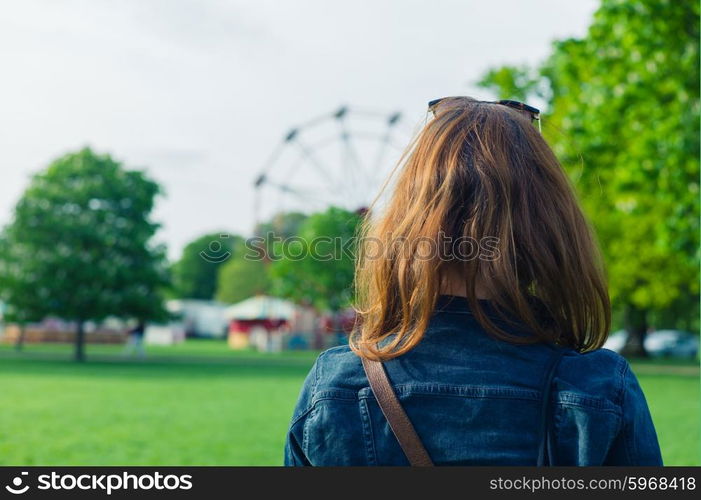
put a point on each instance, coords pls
(317, 265)
(195, 273)
(80, 245)
(623, 116)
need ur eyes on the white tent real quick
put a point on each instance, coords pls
(261, 307)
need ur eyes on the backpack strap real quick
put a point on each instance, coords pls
(544, 452)
(399, 422)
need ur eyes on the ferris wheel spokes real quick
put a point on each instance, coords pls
(350, 183)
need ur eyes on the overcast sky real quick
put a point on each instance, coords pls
(200, 92)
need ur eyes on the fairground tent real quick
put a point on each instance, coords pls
(261, 307)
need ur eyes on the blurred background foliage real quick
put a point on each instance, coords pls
(622, 114)
(195, 273)
(323, 277)
(79, 246)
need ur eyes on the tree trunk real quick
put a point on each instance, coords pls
(636, 326)
(20, 338)
(80, 342)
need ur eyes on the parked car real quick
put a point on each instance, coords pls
(661, 343)
(672, 343)
(616, 340)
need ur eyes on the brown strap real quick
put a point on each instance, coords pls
(399, 422)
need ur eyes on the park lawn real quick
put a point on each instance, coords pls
(199, 403)
(217, 410)
(675, 404)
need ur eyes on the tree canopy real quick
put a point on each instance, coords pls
(241, 278)
(623, 117)
(317, 266)
(195, 273)
(79, 246)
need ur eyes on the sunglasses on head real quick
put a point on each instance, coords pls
(532, 113)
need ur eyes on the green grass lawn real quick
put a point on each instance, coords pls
(199, 403)
(673, 393)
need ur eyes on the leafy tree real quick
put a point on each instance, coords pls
(247, 274)
(624, 118)
(513, 82)
(317, 266)
(79, 245)
(240, 278)
(195, 274)
(24, 305)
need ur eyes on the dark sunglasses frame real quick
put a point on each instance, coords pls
(533, 113)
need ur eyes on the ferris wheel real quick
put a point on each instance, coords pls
(340, 158)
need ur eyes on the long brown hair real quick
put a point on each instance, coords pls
(480, 172)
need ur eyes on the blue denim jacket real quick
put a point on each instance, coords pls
(475, 400)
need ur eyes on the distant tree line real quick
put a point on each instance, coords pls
(263, 267)
(80, 247)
